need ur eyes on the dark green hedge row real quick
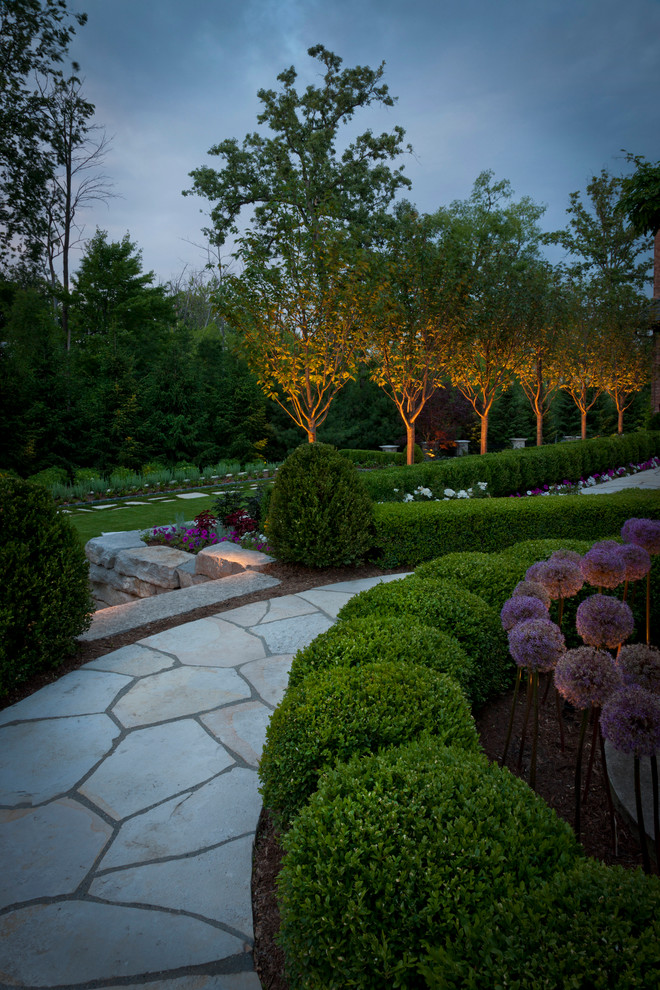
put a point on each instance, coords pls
(514, 471)
(408, 535)
(381, 458)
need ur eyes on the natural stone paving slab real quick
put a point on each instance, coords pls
(192, 495)
(269, 677)
(225, 808)
(242, 728)
(154, 764)
(41, 760)
(230, 981)
(174, 693)
(361, 584)
(291, 635)
(82, 692)
(133, 660)
(246, 615)
(208, 642)
(48, 851)
(329, 601)
(215, 884)
(131, 615)
(287, 607)
(81, 941)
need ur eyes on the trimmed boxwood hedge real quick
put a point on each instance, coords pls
(593, 926)
(44, 576)
(401, 848)
(513, 471)
(493, 576)
(384, 639)
(408, 535)
(474, 623)
(334, 714)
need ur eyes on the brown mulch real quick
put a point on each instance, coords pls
(555, 775)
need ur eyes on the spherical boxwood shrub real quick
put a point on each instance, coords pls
(527, 552)
(319, 513)
(44, 578)
(336, 713)
(593, 926)
(383, 639)
(452, 609)
(492, 576)
(403, 848)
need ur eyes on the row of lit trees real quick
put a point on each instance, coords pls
(330, 277)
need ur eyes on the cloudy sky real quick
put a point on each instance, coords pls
(545, 93)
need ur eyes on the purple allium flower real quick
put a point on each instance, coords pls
(603, 566)
(522, 607)
(533, 589)
(630, 721)
(587, 676)
(560, 578)
(566, 555)
(536, 644)
(636, 560)
(644, 532)
(604, 621)
(640, 664)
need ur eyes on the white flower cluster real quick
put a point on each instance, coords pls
(422, 493)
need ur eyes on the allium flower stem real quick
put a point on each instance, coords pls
(511, 716)
(646, 865)
(590, 765)
(528, 706)
(578, 771)
(535, 735)
(608, 792)
(648, 608)
(560, 719)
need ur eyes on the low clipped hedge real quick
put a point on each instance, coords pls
(335, 714)
(384, 639)
(44, 576)
(592, 926)
(493, 576)
(403, 848)
(381, 458)
(475, 624)
(513, 471)
(408, 535)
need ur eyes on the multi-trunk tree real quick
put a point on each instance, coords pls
(314, 208)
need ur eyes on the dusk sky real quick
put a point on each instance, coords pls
(545, 93)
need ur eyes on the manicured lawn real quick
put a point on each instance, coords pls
(153, 510)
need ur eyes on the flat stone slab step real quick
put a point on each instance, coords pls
(121, 618)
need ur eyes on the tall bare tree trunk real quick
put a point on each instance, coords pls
(410, 443)
(483, 442)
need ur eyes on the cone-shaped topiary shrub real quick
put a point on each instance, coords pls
(335, 714)
(403, 848)
(319, 513)
(384, 639)
(44, 577)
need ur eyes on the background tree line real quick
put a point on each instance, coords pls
(347, 315)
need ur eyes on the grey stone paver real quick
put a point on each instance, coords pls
(129, 792)
(242, 728)
(208, 642)
(41, 760)
(82, 692)
(73, 942)
(37, 860)
(269, 677)
(175, 693)
(226, 807)
(153, 764)
(215, 884)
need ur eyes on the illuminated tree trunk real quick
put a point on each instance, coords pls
(410, 443)
(483, 437)
(538, 405)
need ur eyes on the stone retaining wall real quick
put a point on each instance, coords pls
(122, 568)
